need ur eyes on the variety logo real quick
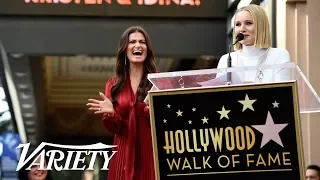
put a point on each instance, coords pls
(58, 156)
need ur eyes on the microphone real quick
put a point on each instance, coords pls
(239, 37)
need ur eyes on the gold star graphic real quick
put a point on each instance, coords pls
(247, 103)
(193, 109)
(205, 120)
(224, 113)
(179, 113)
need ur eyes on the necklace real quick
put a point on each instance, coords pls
(261, 61)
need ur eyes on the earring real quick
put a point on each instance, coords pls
(125, 60)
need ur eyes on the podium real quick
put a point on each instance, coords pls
(250, 129)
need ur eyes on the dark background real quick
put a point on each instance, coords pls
(69, 36)
(68, 29)
(207, 104)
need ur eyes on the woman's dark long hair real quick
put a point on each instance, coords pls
(122, 68)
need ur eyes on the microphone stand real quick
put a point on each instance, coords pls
(229, 61)
(239, 37)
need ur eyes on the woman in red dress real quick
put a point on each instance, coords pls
(124, 112)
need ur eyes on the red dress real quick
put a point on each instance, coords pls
(132, 130)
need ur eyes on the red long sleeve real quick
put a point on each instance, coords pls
(131, 125)
(115, 123)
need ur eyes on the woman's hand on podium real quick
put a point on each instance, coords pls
(101, 107)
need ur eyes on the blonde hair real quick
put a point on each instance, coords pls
(261, 25)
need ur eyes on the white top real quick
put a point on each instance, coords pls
(252, 56)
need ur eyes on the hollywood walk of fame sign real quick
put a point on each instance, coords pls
(235, 132)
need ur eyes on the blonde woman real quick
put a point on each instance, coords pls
(255, 49)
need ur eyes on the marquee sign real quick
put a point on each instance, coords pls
(116, 8)
(120, 2)
(250, 132)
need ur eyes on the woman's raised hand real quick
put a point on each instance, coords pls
(100, 107)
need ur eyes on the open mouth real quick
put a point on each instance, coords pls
(137, 53)
(39, 173)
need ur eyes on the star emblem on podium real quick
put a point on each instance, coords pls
(205, 120)
(247, 103)
(179, 113)
(275, 104)
(224, 113)
(270, 131)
